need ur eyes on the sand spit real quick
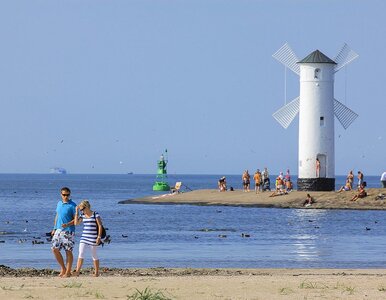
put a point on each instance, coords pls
(294, 199)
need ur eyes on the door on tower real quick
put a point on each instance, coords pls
(323, 165)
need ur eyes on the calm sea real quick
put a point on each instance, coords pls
(185, 235)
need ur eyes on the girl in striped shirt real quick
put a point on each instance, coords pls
(90, 237)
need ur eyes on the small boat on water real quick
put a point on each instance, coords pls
(58, 170)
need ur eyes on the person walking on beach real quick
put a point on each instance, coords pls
(91, 235)
(64, 232)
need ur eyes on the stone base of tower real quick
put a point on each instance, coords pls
(316, 184)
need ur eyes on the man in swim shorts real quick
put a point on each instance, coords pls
(64, 232)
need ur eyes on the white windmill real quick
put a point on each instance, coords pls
(316, 106)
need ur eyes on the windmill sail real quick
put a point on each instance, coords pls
(287, 113)
(344, 57)
(345, 115)
(288, 58)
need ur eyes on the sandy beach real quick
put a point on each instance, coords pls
(294, 199)
(197, 284)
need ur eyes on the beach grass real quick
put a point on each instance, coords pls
(99, 295)
(345, 288)
(306, 284)
(147, 294)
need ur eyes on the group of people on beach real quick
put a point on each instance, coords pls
(262, 182)
(283, 184)
(68, 215)
(361, 192)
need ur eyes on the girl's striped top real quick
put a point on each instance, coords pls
(90, 229)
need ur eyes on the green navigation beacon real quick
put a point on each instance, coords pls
(161, 183)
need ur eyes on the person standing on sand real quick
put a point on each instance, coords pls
(265, 178)
(287, 176)
(222, 184)
(350, 177)
(90, 236)
(360, 179)
(383, 179)
(64, 232)
(257, 178)
(246, 180)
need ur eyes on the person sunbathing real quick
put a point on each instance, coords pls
(361, 193)
(346, 187)
(309, 200)
(279, 192)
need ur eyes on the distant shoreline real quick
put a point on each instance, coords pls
(294, 199)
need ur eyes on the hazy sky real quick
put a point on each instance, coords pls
(105, 86)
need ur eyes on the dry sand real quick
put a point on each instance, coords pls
(294, 199)
(204, 284)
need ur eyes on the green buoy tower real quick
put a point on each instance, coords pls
(161, 179)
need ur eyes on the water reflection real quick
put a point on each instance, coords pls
(307, 238)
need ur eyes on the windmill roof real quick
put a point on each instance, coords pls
(317, 57)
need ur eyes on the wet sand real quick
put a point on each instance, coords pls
(294, 199)
(197, 284)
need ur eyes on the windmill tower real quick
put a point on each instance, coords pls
(316, 106)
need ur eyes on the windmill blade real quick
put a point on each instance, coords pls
(288, 58)
(344, 57)
(345, 115)
(287, 113)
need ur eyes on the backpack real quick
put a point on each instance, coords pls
(103, 233)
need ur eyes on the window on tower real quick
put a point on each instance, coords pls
(321, 121)
(316, 73)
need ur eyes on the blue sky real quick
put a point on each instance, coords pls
(106, 86)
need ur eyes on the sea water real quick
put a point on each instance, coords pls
(145, 235)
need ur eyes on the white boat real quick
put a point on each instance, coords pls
(58, 170)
